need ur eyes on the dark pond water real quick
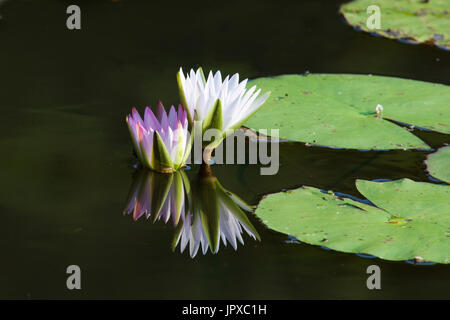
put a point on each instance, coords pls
(67, 163)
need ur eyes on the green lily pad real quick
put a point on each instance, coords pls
(412, 219)
(338, 110)
(414, 20)
(438, 164)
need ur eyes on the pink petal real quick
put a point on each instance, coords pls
(162, 117)
(173, 118)
(150, 120)
(136, 116)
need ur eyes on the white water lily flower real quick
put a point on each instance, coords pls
(220, 104)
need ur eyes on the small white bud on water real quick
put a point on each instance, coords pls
(379, 109)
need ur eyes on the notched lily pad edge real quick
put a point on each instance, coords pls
(433, 178)
(428, 172)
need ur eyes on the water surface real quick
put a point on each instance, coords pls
(67, 163)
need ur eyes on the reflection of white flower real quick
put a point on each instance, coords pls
(230, 230)
(222, 104)
(203, 213)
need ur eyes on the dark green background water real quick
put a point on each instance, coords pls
(66, 160)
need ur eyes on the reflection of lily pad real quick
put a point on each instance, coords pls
(413, 20)
(413, 219)
(438, 164)
(339, 110)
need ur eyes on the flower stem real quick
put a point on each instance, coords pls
(207, 152)
(205, 170)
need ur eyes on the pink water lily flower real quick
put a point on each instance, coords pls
(162, 142)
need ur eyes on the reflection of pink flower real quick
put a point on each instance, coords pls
(162, 143)
(204, 213)
(157, 196)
